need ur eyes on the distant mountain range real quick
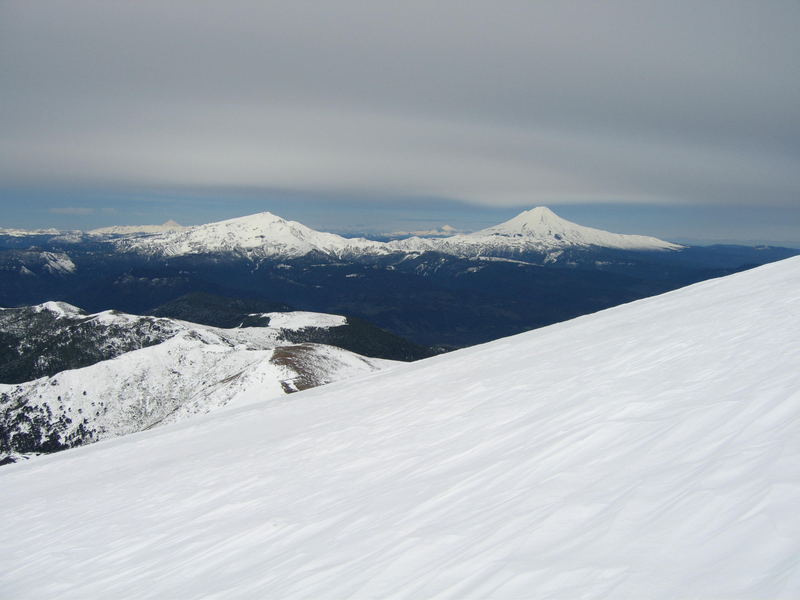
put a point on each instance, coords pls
(537, 231)
(530, 271)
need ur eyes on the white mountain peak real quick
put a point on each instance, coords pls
(536, 220)
(542, 226)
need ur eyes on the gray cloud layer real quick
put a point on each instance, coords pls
(509, 103)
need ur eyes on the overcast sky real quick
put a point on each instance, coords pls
(122, 112)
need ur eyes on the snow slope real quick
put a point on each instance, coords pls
(647, 451)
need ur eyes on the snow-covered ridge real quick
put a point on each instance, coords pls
(28, 232)
(196, 371)
(156, 370)
(646, 451)
(136, 229)
(38, 335)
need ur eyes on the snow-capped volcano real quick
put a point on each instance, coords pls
(538, 230)
(542, 225)
(646, 451)
(263, 234)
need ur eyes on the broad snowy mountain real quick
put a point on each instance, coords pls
(260, 235)
(646, 451)
(178, 370)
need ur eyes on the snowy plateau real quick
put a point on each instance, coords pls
(651, 450)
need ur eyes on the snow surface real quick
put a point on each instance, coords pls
(648, 451)
(298, 319)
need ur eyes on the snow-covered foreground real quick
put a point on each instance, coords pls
(648, 451)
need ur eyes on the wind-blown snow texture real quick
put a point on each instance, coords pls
(647, 451)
